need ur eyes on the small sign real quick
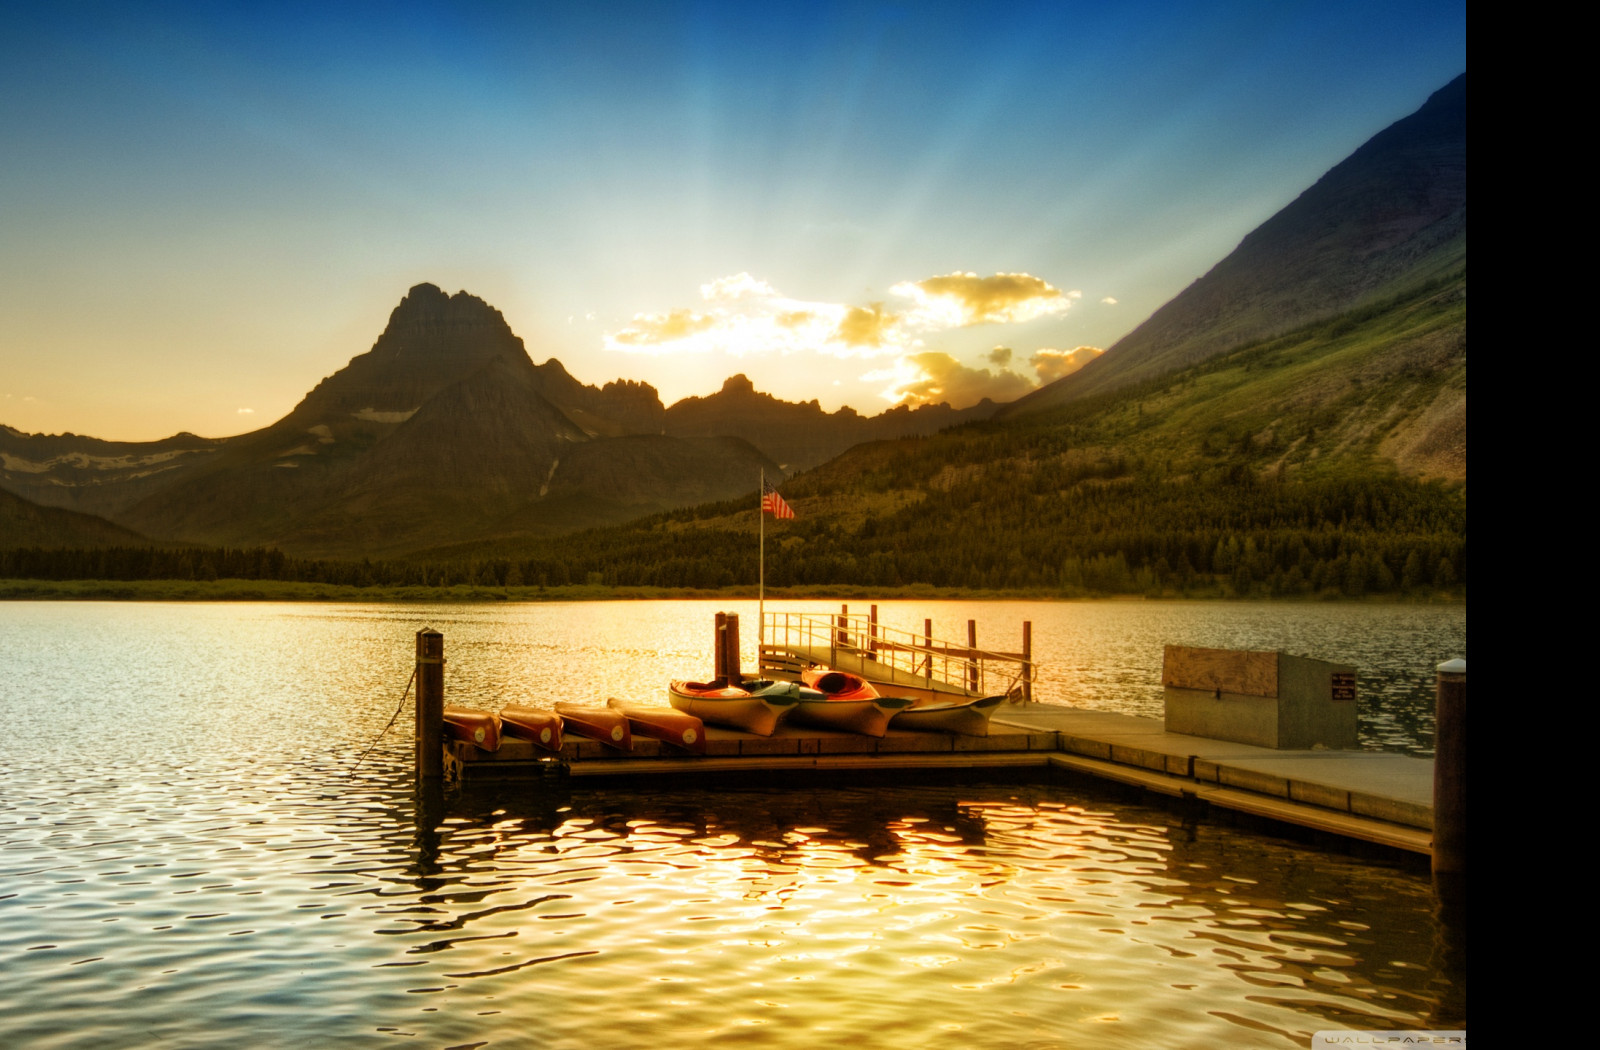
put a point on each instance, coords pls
(1344, 685)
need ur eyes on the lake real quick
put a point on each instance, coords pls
(191, 856)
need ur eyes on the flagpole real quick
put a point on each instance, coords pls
(761, 599)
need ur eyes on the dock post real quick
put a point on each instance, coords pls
(430, 704)
(731, 650)
(972, 655)
(719, 658)
(872, 634)
(927, 643)
(1027, 661)
(1450, 777)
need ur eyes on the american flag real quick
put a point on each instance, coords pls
(772, 503)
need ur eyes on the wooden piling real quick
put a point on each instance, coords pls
(1027, 661)
(972, 654)
(872, 634)
(927, 643)
(1450, 773)
(719, 659)
(731, 650)
(430, 705)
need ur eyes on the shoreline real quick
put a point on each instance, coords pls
(290, 591)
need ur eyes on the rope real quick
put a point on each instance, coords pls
(403, 694)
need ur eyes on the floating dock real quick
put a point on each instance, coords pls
(1372, 797)
(1363, 795)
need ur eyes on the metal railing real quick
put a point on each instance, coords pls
(936, 662)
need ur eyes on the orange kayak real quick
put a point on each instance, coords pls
(532, 723)
(597, 723)
(838, 685)
(481, 728)
(664, 724)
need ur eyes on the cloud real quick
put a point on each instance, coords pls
(960, 299)
(1053, 364)
(245, 411)
(865, 326)
(1109, 301)
(741, 315)
(932, 376)
(1000, 356)
(738, 286)
(654, 329)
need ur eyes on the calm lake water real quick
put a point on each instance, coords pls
(189, 855)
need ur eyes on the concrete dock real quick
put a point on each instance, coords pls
(1366, 796)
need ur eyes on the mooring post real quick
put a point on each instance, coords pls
(972, 654)
(732, 651)
(1027, 661)
(872, 634)
(1450, 775)
(719, 659)
(927, 643)
(430, 704)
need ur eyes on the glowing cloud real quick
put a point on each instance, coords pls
(741, 315)
(865, 326)
(653, 329)
(1053, 364)
(932, 377)
(960, 299)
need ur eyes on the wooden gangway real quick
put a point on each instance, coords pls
(910, 663)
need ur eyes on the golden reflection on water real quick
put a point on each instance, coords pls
(203, 866)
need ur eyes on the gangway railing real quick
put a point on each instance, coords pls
(937, 663)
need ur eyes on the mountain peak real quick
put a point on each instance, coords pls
(738, 384)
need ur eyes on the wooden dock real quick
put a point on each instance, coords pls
(1367, 796)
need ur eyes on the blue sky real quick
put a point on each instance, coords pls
(205, 209)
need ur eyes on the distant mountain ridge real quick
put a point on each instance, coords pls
(444, 432)
(1390, 217)
(801, 435)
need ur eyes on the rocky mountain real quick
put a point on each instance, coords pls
(802, 435)
(94, 476)
(1390, 218)
(443, 432)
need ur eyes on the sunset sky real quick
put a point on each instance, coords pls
(205, 209)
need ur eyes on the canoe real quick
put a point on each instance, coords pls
(597, 723)
(532, 723)
(664, 724)
(869, 717)
(962, 717)
(755, 707)
(481, 728)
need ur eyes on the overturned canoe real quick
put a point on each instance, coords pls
(481, 728)
(755, 707)
(532, 723)
(664, 724)
(597, 723)
(962, 717)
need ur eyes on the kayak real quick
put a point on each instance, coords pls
(597, 723)
(756, 707)
(962, 717)
(481, 728)
(663, 723)
(532, 723)
(838, 685)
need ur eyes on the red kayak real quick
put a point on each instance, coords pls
(664, 724)
(597, 723)
(481, 728)
(532, 723)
